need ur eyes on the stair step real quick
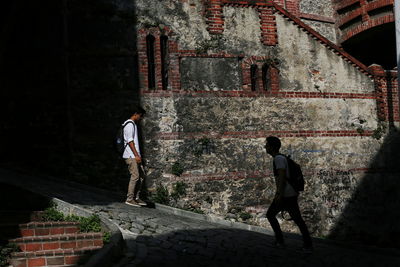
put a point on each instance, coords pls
(48, 228)
(20, 216)
(58, 257)
(52, 242)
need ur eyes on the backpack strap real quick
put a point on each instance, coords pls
(123, 127)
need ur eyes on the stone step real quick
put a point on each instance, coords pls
(58, 257)
(52, 242)
(48, 228)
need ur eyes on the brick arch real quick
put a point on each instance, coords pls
(260, 61)
(366, 26)
(173, 71)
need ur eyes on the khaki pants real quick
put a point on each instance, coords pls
(135, 181)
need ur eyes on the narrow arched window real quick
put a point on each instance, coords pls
(253, 77)
(164, 61)
(151, 71)
(266, 77)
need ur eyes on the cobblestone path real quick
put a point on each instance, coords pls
(155, 237)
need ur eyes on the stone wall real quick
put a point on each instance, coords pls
(213, 126)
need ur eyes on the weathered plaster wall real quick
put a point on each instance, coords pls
(306, 65)
(217, 136)
(316, 12)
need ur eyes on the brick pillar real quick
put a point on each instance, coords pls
(386, 87)
(274, 76)
(174, 68)
(381, 90)
(293, 7)
(215, 17)
(142, 57)
(268, 26)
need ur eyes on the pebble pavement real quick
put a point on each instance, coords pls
(155, 237)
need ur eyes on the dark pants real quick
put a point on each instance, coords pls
(290, 205)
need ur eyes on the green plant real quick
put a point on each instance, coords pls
(379, 131)
(179, 190)
(161, 195)
(177, 169)
(245, 215)
(52, 214)
(86, 224)
(5, 252)
(195, 210)
(106, 237)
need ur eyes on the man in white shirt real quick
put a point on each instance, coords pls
(133, 157)
(285, 196)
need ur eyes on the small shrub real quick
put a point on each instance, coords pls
(245, 215)
(177, 169)
(179, 190)
(106, 237)
(161, 196)
(51, 214)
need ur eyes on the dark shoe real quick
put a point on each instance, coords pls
(280, 245)
(132, 203)
(307, 249)
(141, 202)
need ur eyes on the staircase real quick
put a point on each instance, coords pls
(43, 243)
(53, 244)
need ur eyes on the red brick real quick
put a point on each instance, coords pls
(71, 259)
(68, 245)
(33, 246)
(40, 231)
(55, 261)
(51, 246)
(36, 262)
(27, 232)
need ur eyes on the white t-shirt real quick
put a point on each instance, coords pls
(130, 134)
(281, 163)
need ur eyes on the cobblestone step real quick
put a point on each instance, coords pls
(65, 241)
(59, 257)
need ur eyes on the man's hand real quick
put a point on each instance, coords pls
(138, 159)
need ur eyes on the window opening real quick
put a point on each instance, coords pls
(164, 61)
(151, 71)
(266, 77)
(253, 77)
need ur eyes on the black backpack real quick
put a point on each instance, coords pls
(119, 140)
(296, 179)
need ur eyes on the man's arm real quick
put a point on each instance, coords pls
(137, 157)
(281, 184)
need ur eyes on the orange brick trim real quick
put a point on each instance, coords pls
(268, 26)
(260, 134)
(215, 17)
(242, 175)
(281, 94)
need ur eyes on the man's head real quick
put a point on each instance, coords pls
(272, 145)
(138, 113)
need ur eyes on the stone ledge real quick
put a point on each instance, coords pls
(213, 219)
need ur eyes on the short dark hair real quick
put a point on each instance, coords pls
(138, 110)
(274, 142)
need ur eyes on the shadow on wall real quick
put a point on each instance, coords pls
(68, 77)
(372, 214)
